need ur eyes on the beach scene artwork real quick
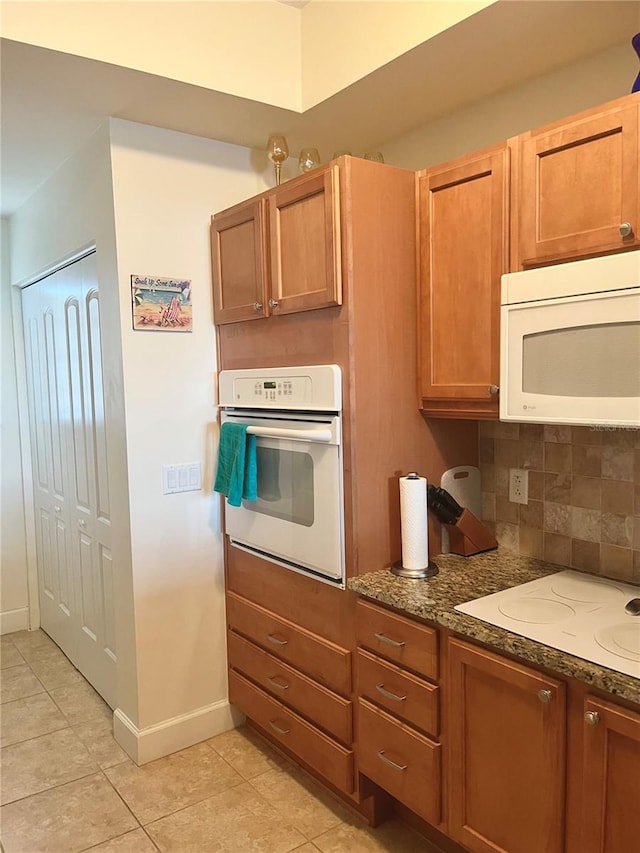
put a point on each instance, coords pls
(161, 304)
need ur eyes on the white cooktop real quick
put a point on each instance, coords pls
(573, 612)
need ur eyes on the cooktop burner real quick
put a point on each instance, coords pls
(572, 612)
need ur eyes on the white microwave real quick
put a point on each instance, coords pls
(570, 343)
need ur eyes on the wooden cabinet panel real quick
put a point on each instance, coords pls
(463, 253)
(401, 693)
(304, 219)
(400, 760)
(325, 708)
(507, 782)
(577, 184)
(403, 641)
(611, 778)
(322, 753)
(239, 262)
(299, 222)
(317, 657)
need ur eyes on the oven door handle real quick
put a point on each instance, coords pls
(323, 435)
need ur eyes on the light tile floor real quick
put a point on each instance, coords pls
(66, 786)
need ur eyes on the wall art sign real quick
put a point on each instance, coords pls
(161, 304)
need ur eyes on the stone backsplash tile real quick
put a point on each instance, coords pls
(584, 494)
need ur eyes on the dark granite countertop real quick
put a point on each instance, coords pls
(462, 579)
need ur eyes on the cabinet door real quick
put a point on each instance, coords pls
(239, 263)
(507, 754)
(304, 220)
(578, 188)
(463, 253)
(611, 778)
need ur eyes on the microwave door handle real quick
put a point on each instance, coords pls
(323, 435)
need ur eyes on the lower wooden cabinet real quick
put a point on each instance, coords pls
(329, 758)
(611, 778)
(507, 773)
(400, 760)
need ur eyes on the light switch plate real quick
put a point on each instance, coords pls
(186, 477)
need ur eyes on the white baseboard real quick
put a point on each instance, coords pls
(152, 742)
(14, 620)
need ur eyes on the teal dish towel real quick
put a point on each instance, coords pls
(237, 474)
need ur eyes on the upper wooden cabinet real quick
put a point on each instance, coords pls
(611, 778)
(464, 221)
(576, 186)
(279, 253)
(507, 754)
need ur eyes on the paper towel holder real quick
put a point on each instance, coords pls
(414, 574)
(429, 571)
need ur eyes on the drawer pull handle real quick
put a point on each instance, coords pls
(388, 694)
(388, 640)
(391, 763)
(278, 729)
(277, 641)
(281, 685)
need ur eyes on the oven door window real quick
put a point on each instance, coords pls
(285, 485)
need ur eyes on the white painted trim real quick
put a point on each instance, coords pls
(144, 745)
(25, 454)
(14, 620)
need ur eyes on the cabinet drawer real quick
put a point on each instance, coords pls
(326, 709)
(400, 760)
(331, 760)
(403, 694)
(317, 657)
(407, 643)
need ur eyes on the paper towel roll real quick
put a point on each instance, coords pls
(413, 522)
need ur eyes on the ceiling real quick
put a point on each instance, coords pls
(51, 102)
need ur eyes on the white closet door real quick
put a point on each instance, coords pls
(64, 365)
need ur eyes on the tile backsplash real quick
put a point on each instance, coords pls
(584, 494)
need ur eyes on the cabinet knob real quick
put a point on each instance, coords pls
(82, 522)
(257, 306)
(545, 696)
(273, 303)
(592, 718)
(494, 390)
(57, 508)
(625, 229)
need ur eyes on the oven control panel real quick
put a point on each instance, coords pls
(256, 392)
(314, 388)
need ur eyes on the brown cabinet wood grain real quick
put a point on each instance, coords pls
(464, 223)
(325, 755)
(406, 642)
(399, 692)
(322, 660)
(577, 184)
(400, 760)
(323, 707)
(611, 778)
(279, 253)
(507, 754)
(239, 262)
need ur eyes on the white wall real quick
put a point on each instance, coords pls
(166, 186)
(144, 196)
(14, 600)
(575, 87)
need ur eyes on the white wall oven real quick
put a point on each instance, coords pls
(570, 343)
(298, 519)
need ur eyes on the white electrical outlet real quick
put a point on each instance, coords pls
(518, 485)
